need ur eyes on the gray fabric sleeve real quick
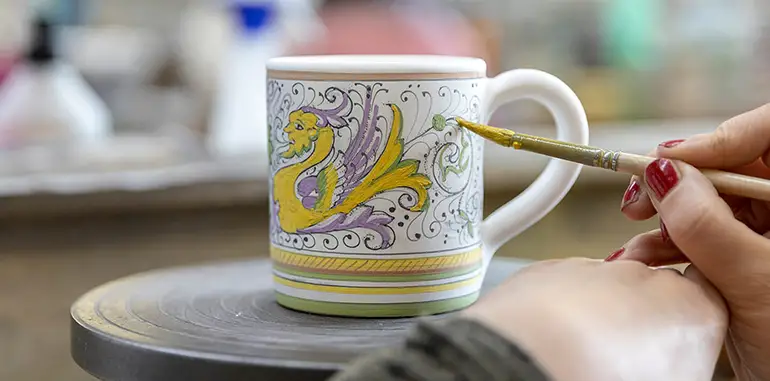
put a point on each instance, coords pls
(455, 350)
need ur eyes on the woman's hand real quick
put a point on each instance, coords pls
(725, 237)
(588, 320)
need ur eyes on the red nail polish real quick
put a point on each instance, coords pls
(661, 177)
(615, 255)
(671, 143)
(664, 232)
(632, 194)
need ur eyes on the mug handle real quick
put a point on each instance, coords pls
(558, 177)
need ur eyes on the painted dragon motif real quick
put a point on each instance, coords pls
(335, 198)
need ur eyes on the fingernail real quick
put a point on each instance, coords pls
(671, 143)
(615, 255)
(661, 177)
(664, 232)
(632, 194)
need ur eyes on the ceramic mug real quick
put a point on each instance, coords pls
(376, 193)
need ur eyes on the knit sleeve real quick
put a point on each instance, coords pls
(457, 349)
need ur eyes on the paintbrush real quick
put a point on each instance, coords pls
(725, 182)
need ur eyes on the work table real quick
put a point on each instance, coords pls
(46, 262)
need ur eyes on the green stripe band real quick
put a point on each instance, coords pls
(395, 310)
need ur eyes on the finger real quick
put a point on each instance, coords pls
(736, 203)
(753, 213)
(756, 169)
(700, 223)
(736, 142)
(651, 249)
(636, 204)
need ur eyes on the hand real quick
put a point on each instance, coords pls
(587, 320)
(724, 237)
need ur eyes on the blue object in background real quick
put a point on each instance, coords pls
(253, 16)
(69, 12)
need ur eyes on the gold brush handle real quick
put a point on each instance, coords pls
(576, 153)
(725, 182)
(586, 155)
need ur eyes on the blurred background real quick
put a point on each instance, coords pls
(122, 147)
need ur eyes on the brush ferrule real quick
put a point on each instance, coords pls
(606, 159)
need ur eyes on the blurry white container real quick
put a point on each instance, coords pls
(265, 29)
(46, 107)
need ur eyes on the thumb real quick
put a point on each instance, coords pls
(701, 224)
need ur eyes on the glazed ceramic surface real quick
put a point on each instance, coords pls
(376, 192)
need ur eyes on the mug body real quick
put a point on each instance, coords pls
(375, 194)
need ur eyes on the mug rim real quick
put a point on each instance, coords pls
(376, 66)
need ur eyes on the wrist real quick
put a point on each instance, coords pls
(560, 345)
(475, 352)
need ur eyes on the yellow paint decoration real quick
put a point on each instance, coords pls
(388, 173)
(311, 263)
(498, 135)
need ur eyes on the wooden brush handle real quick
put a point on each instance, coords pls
(725, 182)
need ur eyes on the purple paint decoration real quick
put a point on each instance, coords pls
(358, 161)
(362, 217)
(331, 117)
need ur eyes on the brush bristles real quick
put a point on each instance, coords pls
(498, 135)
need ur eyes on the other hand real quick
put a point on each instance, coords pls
(587, 320)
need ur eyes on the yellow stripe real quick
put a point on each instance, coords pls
(376, 290)
(374, 266)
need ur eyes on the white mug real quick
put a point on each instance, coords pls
(376, 193)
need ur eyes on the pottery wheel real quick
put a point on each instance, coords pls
(220, 322)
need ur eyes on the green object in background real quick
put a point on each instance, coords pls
(629, 29)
